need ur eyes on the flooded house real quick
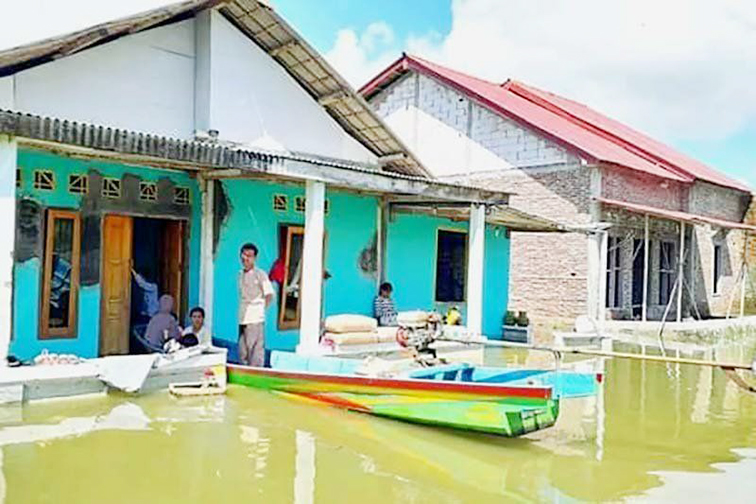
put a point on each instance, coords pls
(139, 155)
(666, 233)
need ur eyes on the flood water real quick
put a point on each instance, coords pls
(657, 433)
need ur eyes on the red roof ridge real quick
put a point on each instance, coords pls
(574, 125)
(524, 91)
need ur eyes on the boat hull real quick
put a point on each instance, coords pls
(496, 409)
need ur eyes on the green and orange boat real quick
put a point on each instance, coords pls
(505, 402)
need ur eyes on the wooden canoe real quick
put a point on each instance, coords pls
(450, 396)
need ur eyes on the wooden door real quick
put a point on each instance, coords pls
(172, 264)
(116, 284)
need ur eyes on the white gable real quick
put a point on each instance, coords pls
(253, 99)
(198, 74)
(452, 135)
(143, 82)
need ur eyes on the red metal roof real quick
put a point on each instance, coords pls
(676, 215)
(573, 125)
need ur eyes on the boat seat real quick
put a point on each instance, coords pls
(290, 361)
(449, 372)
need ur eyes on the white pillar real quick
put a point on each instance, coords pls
(207, 264)
(603, 260)
(304, 467)
(312, 268)
(646, 247)
(594, 272)
(381, 241)
(8, 165)
(475, 258)
(680, 271)
(743, 289)
(203, 21)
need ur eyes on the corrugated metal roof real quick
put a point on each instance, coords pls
(573, 125)
(268, 30)
(676, 215)
(195, 154)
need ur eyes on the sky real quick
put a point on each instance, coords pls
(683, 71)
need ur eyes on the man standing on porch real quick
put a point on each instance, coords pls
(255, 294)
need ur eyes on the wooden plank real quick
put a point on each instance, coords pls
(117, 235)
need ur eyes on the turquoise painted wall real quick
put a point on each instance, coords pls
(27, 275)
(495, 280)
(411, 267)
(350, 226)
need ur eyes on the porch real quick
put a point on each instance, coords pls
(351, 226)
(664, 265)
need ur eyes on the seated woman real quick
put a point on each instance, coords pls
(163, 325)
(198, 329)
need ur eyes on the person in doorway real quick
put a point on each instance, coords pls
(163, 325)
(255, 294)
(198, 328)
(383, 306)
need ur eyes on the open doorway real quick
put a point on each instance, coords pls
(143, 258)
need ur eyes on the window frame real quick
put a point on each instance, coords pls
(465, 261)
(290, 230)
(716, 269)
(669, 272)
(70, 331)
(614, 296)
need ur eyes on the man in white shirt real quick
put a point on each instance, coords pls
(255, 294)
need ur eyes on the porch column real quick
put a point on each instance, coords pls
(646, 247)
(381, 240)
(8, 164)
(603, 258)
(312, 268)
(304, 468)
(680, 271)
(207, 265)
(475, 258)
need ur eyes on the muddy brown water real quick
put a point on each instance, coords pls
(656, 433)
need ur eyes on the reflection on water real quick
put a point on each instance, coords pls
(650, 435)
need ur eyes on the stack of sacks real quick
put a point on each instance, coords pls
(387, 334)
(417, 318)
(350, 330)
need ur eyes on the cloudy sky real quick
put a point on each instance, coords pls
(683, 71)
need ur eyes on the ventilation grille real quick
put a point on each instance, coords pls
(111, 188)
(78, 184)
(44, 180)
(148, 191)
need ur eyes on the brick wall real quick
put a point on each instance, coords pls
(728, 293)
(560, 192)
(628, 227)
(704, 199)
(481, 134)
(719, 202)
(548, 271)
(635, 187)
(750, 218)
